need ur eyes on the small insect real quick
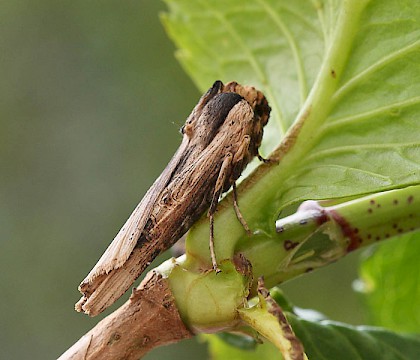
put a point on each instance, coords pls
(220, 137)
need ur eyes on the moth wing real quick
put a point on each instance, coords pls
(121, 264)
(124, 243)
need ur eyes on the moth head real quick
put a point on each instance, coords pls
(261, 115)
(254, 97)
(214, 106)
(259, 104)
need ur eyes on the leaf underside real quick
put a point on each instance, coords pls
(342, 75)
(367, 139)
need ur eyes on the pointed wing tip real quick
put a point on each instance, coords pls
(83, 306)
(98, 272)
(89, 287)
(79, 305)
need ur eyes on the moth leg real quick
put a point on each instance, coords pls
(264, 160)
(223, 174)
(239, 155)
(238, 212)
(212, 252)
(267, 161)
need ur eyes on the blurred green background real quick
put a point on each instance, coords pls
(91, 102)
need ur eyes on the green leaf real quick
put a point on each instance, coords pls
(345, 76)
(332, 340)
(351, 66)
(345, 73)
(325, 339)
(329, 340)
(265, 43)
(390, 284)
(221, 350)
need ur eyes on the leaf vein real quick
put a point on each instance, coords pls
(293, 47)
(252, 60)
(357, 148)
(334, 123)
(372, 68)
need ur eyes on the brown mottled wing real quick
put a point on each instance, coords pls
(94, 287)
(218, 124)
(115, 259)
(123, 244)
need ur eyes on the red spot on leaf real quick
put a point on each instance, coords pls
(347, 230)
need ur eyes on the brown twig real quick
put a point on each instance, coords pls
(147, 320)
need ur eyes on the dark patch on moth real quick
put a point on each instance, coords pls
(218, 108)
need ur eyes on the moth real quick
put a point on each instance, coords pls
(220, 137)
